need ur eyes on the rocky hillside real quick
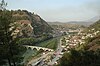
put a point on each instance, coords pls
(93, 28)
(30, 24)
(94, 42)
(96, 26)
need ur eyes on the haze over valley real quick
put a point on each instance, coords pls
(49, 32)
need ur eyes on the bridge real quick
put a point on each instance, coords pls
(37, 48)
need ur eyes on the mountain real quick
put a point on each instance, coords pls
(81, 23)
(93, 27)
(64, 25)
(94, 19)
(96, 25)
(56, 23)
(30, 24)
(94, 42)
(87, 22)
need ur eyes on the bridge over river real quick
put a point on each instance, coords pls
(37, 48)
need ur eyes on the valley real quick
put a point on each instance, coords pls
(60, 34)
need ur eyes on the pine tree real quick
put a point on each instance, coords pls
(9, 49)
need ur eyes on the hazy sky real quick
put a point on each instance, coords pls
(59, 10)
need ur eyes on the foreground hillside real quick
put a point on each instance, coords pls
(96, 26)
(93, 43)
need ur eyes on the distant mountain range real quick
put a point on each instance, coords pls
(64, 26)
(81, 23)
(84, 23)
(87, 22)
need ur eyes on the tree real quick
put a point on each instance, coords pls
(81, 58)
(3, 5)
(9, 49)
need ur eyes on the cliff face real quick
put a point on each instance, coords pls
(30, 24)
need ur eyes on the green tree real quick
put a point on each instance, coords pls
(3, 5)
(9, 49)
(81, 58)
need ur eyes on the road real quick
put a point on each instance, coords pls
(57, 56)
(58, 52)
(35, 61)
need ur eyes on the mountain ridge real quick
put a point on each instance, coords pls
(84, 23)
(30, 24)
